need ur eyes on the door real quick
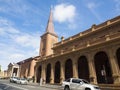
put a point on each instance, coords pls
(75, 84)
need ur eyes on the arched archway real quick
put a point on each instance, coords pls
(68, 69)
(48, 73)
(103, 69)
(57, 72)
(118, 56)
(83, 70)
(39, 74)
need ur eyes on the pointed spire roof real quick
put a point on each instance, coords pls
(50, 25)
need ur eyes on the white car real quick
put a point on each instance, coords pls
(13, 79)
(78, 84)
(22, 81)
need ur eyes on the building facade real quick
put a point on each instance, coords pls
(93, 55)
(13, 70)
(26, 67)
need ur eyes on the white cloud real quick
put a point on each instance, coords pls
(6, 26)
(14, 7)
(4, 30)
(117, 6)
(92, 6)
(64, 13)
(20, 8)
(26, 40)
(15, 56)
(16, 45)
(4, 22)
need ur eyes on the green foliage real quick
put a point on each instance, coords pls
(0, 68)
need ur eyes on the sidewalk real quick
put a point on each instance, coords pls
(52, 86)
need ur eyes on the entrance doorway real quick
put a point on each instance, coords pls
(68, 69)
(103, 69)
(39, 74)
(48, 73)
(57, 72)
(118, 57)
(83, 71)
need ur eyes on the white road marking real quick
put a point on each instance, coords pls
(6, 87)
(32, 86)
(16, 86)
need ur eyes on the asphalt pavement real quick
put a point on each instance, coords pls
(6, 85)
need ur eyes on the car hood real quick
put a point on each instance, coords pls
(90, 85)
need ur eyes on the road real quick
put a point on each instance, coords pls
(6, 85)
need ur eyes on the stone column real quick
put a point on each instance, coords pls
(26, 72)
(20, 70)
(31, 73)
(92, 72)
(43, 73)
(75, 69)
(17, 72)
(35, 74)
(62, 72)
(52, 74)
(114, 67)
(11, 74)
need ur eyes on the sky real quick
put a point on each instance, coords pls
(22, 22)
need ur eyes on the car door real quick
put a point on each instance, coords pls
(18, 80)
(75, 84)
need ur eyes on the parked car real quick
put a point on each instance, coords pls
(22, 81)
(13, 79)
(78, 84)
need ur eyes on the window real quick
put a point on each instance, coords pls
(76, 81)
(85, 81)
(68, 80)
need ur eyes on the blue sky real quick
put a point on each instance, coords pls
(22, 22)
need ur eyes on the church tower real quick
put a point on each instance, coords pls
(48, 38)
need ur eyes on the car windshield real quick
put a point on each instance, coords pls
(76, 81)
(85, 81)
(68, 80)
(23, 79)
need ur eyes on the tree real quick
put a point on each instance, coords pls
(0, 68)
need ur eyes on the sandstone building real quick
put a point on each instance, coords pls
(13, 70)
(93, 54)
(26, 67)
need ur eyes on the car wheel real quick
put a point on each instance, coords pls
(66, 88)
(87, 89)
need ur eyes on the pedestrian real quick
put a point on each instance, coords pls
(41, 81)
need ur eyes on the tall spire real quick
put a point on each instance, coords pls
(48, 38)
(50, 25)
